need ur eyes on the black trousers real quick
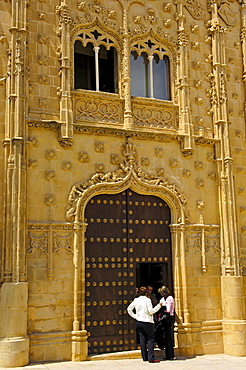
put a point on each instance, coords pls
(169, 337)
(147, 340)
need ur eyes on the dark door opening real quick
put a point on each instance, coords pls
(155, 274)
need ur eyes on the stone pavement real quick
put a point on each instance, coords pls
(213, 362)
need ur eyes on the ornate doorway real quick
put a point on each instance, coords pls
(127, 242)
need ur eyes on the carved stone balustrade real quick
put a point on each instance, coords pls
(97, 107)
(154, 113)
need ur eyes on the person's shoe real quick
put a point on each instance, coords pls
(169, 359)
(154, 361)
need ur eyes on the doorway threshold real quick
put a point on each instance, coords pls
(116, 355)
(134, 354)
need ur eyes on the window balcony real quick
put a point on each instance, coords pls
(154, 113)
(92, 107)
(106, 109)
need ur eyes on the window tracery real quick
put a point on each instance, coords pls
(95, 62)
(150, 71)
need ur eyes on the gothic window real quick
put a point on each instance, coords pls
(150, 71)
(95, 63)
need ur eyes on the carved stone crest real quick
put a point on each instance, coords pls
(228, 16)
(195, 9)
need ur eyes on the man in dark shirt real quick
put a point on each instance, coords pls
(151, 295)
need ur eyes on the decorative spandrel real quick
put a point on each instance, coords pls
(128, 171)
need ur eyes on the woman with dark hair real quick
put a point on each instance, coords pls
(144, 323)
(167, 321)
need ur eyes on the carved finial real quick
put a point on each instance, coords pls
(129, 150)
(200, 206)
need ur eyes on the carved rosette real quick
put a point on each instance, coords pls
(114, 159)
(159, 152)
(50, 154)
(50, 199)
(84, 157)
(32, 163)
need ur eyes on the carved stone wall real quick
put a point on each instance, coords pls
(62, 146)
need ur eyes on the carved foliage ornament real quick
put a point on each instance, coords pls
(94, 12)
(128, 169)
(182, 38)
(64, 14)
(82, 6)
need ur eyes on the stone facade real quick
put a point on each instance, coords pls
(63, 146)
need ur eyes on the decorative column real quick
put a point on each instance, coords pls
(186, 126)
(79, 334)
(232, 293)
(14, 342)
(150, 58)
(180, 281)
(96, 50)
(243, 38)
(66, 111)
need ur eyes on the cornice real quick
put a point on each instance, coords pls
(119, 131)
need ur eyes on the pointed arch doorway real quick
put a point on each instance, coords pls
(128, 244)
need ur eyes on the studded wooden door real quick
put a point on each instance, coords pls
(125, 231)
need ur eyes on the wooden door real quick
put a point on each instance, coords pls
(126, 233)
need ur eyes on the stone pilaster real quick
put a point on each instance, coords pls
(79, 334)
(234, 323)
(14, 342)
(79, 345)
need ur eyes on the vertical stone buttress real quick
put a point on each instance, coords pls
(243, 38)
(128, 119)
(14, 343)
(187, 148)
(231, 279)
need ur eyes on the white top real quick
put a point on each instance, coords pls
(144, 309)
(169, 303)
